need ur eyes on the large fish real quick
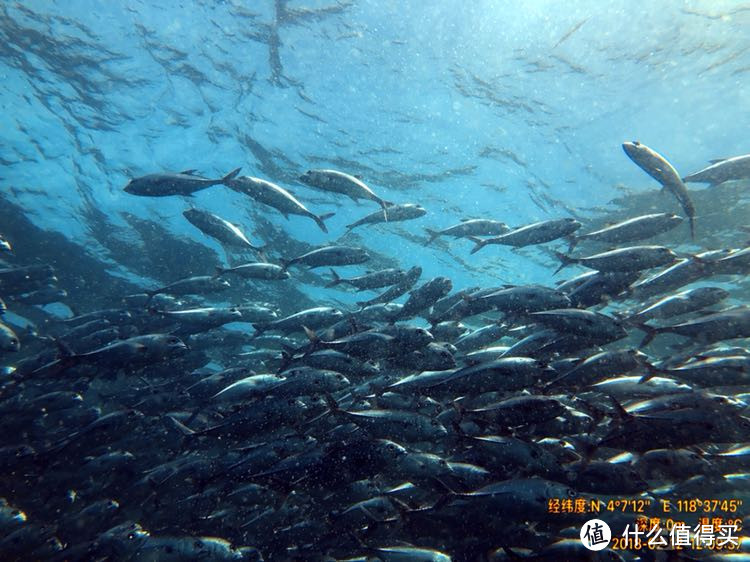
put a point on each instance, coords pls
(344, 184)
(277, 197)
(656, 166)
(329, 255)
(184, 183)
(736, 168)
(396, 213)
(631, 230)
(220, 229)
(470, 227)
(531, 234)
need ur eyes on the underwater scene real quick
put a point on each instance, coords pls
(374, 280)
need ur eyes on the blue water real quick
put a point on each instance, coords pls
(484, 109)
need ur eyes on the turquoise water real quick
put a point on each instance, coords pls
(512, 111)
(493, 109)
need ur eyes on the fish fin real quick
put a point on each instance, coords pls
(219, 271)
(285, 264)
(565, 261)
(479, 244)
(333, 406)
(336, 280)
(433, 235)
(651, 372)
(319, 220)
(572, 242)
(312, 336)
(692, 227)
(190, 172)
(179, 426)
(717, 160)
(230, 176)
(651, 333)
(64, 351)
(260, 327)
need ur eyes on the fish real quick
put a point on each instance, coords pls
(329, 255)
(631, 230)
(8, 339)
(425, 296)
(656, 166)
(370, 281)
(5, 245)
(396, 213)
(531, 234)
(313, 318)
(721, 170)
(412, 276)
(165, 184)
(222, 230)
(277, 197)
(344, 184)
(633, 258)
(469, 227)
(259, 270)
(680, 303)
(723, 325)
(198, 285)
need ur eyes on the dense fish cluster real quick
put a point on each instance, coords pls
(425, 424)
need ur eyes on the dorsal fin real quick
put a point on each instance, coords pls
(717, 160)
(190, 172)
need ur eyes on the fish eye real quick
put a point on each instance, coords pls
(571, 493)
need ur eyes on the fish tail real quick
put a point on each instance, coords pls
(384, 204)
(651, 333)
(151, 295)
(260, 327)
(479, 244)
(261, 251)
(572, 242)
(651, 372)
(319, 220)
(433, 235)
(565, 261)
(230, 176)
(692, 227)
(312, 336)
(335, 281)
